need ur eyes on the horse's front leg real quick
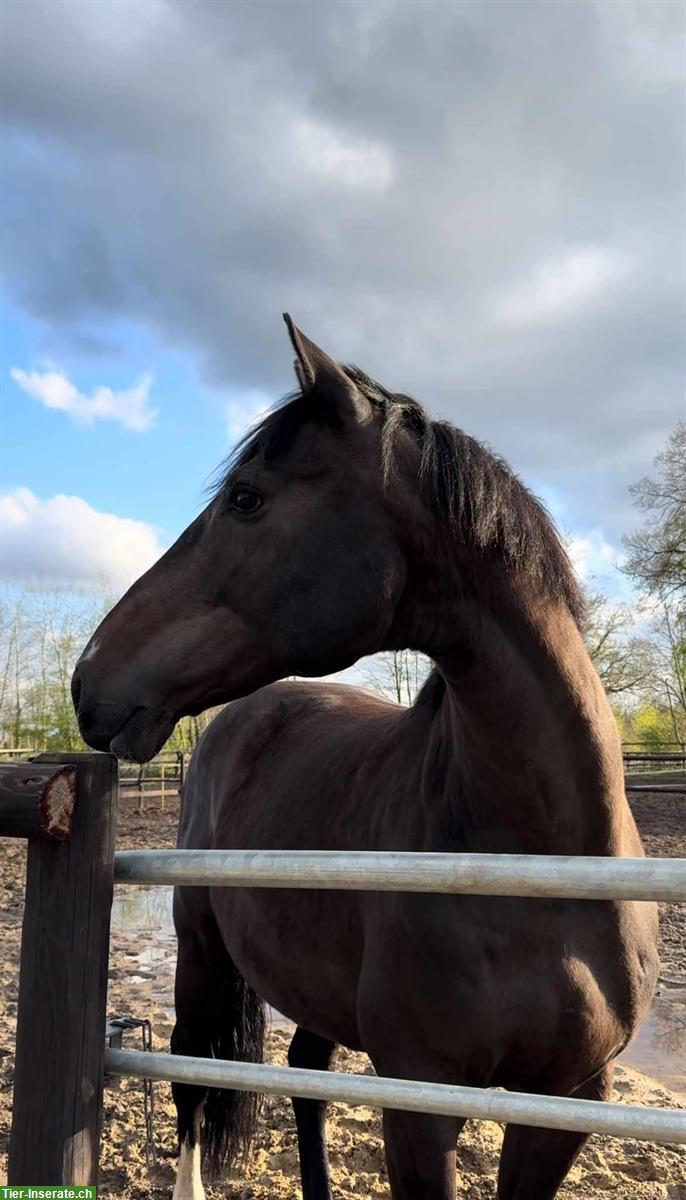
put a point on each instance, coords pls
(420, 1155)
(534, 1162)
(314, 1053)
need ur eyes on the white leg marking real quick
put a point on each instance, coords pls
(188, 1184)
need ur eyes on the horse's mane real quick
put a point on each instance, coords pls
(476, 495)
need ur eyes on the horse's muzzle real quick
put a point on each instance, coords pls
(134, 732)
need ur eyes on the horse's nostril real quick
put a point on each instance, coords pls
(76, 689)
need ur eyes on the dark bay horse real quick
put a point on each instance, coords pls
(349, 522)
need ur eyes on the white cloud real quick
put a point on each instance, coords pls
(388, 173)
(559, 287)
(594, 557)
(130, 407)
(647, 45)
(63, 542)
(354, 162)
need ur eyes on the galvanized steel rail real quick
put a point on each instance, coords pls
(535, 876)
(542, 876)
(518, 1108)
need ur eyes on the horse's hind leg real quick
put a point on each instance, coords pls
(315, 1053)
(534, 1162)
(420, 1155)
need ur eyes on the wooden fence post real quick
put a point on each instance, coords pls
(36, 800)
(58, 1078)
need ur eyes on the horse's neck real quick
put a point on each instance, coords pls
(529, 736)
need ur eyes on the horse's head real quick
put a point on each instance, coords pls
(295, 567)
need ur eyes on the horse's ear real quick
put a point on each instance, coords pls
(314, 367)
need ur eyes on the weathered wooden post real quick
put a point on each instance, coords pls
(36, 800)
(58, 1078)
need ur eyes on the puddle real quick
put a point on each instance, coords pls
(659, 1050)
(151, 958)
(143, 910)
(148, 912)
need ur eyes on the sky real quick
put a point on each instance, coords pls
(480, 204)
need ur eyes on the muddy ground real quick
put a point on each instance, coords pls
(141, 980)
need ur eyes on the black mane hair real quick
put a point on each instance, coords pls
(474, 493)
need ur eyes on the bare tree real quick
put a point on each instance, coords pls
(41, 636)
(398, 674)
(657, 563)
(657, 551)
(622, 659)
(668, 666)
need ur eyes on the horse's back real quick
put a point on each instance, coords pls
(267, 747)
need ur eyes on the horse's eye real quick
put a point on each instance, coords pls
(244, 499)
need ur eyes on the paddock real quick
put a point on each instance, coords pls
(87, 867)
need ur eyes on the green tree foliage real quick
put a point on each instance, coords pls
(650, 727)
(189, 730)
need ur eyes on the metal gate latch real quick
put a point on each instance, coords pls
(115, 1029)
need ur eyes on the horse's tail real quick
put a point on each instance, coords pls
(230, 1117)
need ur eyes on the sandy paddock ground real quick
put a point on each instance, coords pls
(141, 984)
